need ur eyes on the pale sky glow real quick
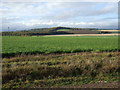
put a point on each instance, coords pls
(21, 16)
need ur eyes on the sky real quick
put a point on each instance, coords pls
(26, 15)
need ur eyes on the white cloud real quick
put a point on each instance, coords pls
(59, 0)
(75, 14)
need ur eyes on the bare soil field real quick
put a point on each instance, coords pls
(109, 30)
(83, 31)
(86, 35)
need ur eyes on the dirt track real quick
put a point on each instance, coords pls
(86, 35)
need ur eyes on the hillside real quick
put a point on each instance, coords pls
(53, 31)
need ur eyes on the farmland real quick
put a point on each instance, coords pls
(53, 61)
(33, 45)
(63, 30)
(59, 45)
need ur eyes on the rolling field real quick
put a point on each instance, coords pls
(17, 45)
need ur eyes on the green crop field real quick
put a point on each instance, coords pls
(17, 44)
(63, 30)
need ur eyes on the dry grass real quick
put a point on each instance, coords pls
(34, 68)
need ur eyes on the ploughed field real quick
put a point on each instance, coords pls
(13, 45)
(47, 61)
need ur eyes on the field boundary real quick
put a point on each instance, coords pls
(85, 35)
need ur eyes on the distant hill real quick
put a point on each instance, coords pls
(52, 31)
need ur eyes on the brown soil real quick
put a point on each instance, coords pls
(64, 54)
(83, 31)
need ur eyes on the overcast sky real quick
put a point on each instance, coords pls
(21, 16)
